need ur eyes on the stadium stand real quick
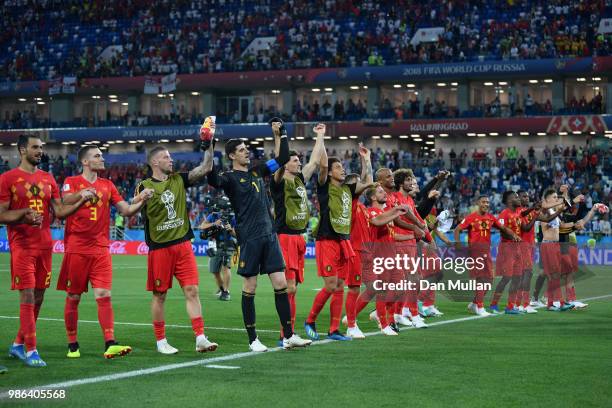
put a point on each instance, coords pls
(65, 38)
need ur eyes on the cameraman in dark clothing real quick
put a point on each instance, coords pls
(218, 228)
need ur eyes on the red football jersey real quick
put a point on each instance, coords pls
(22, 190)
(510, 219)
(384, 233)
(479, 227)
(395, 199)
(360, 231)
(87, 230)
(528, 236)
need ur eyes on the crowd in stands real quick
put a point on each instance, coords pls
(584, 168)
(326, 111)
(351, 110)
(43, 39)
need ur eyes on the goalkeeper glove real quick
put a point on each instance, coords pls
(283, 129)
(207, 132)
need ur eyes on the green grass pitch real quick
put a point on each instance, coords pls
(546, 359)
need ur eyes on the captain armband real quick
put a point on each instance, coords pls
(272, 165)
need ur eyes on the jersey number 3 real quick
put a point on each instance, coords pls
(93, 216)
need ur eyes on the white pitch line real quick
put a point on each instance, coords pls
(176, 326)
(222, 367)
(229, 357)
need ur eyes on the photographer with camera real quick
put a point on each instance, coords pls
(218, 228)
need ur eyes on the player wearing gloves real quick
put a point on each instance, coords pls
(260, 252)
(168, 234)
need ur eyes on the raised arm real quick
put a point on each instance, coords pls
(317, 151)
(426, 204)
(367, 178)
(581, 223)
(433, 184)
(198, 173)
(278, 175)
(323, 166)
(207, 142)
(283, 153)
(273, 165)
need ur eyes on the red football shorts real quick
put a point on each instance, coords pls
(509, 261)
(374, 268)
(550, 253)
(30, 268)
(79, 269)
(480, 254)
(354, 270)
(177, 260)
(569, 258)
(408, 248)
(331, 260)
(293, 248)
(527, 253)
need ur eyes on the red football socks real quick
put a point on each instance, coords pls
(106, 317)
(159, 328)
(428, 297)
(414, 308)
(28, 325)
(570, 294)
(381, 311)
(525, 298)
(197, 324)
(19, 337)
(71, 318)
(479, 298)
(390, 312)
(350, 306)
(317, 305)
(398, 307)
(335, 310)
(553, 291)
(362, 301)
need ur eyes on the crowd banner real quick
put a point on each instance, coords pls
(491, 69)
(574, 124)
